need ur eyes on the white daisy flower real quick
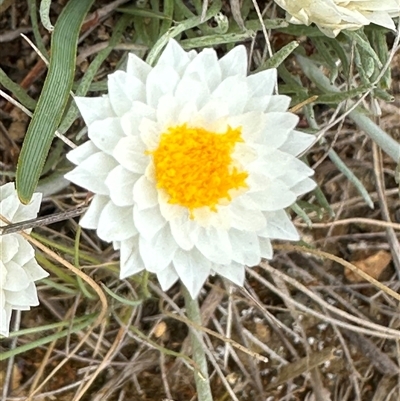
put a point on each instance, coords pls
(192, 163)
(332, 16)
(18, 267)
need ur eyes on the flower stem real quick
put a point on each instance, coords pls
(201, 378)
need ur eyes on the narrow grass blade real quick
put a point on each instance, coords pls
(53, 99)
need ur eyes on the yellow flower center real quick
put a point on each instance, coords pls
(195, 166)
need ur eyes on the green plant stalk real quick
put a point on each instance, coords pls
(380, 137)
(202, 379)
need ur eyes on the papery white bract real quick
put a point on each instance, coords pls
(332, 16)
(192, 163)
(18, 267)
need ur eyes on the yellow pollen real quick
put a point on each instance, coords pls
(195, 166)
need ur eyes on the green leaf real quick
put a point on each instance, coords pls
(214, 40)
(328, 55)
(362, 43)
(17, 91)
(45, 15)
(279, 57)
(53, 99)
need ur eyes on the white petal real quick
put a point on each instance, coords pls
(167, 111)
(251, 123)
(245, 247)
(167, 277)
(131, 262)
(148, 221)
(9, 246)
(7, 190)
(192, 89)
(257, 181)
(181, 229)
(150, 133)
(234, 272)
(233, 92)
(277, 128)
(168, 210)
(16, 278)
(205, 66)
(120, 183)
(22, 300)
(234, 62)
(131, 120)
(258, 103)
(145, 193)
(214, 245)
(279, 226)
(9, 207)
(34, 271)
(92, 173)
(91, 218)
(157, 252)
(213, 110)
(244, 154)
(303, 187)
(25, 251)
(130, 153)
(94, 108)
(245, 218)
(106, 133)
(262, 83)
(116, 223)
(162, 80)
(383, 19)
(193, 269)
(189, 112)
(137, 67)
(174, 56)
(123, 90)
(265, 248)
(221, 220)
(205, 217)
(29, 211)
(278, 196)
(297, 142)
(278, 103)
(82, 152)
(295, 172)
(277, 164)
(5, 317)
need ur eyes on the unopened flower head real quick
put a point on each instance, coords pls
(18, 267)
(332, 16)
(192, 163)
